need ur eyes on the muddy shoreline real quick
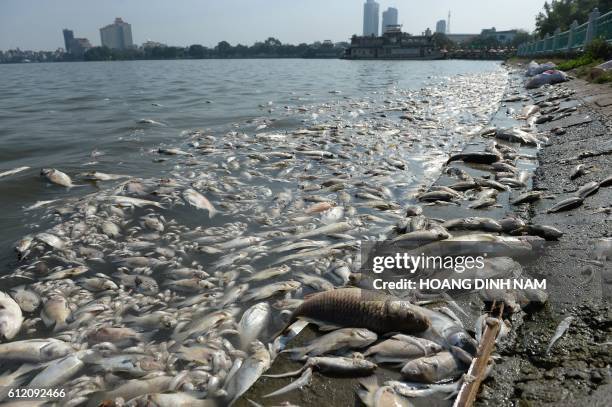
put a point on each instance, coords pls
(576, 369)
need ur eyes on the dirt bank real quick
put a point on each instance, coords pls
(577, 370)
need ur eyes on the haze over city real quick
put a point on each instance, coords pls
(37, 24)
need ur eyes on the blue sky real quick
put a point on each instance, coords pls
(37, 24)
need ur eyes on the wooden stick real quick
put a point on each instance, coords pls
(478, 368)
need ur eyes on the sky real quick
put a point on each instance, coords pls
(38, 24)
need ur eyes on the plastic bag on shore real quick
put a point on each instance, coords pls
(606, 66)
(535, 69)
(548, 77)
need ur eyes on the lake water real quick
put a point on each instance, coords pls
(238, 185)
(55, 115)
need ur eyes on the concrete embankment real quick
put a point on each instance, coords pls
(577, 370)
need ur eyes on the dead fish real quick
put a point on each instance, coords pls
(433, 369)
(268, 273)
(527, 197)
(345, 338)
(252, 323)
(480, 157)
(563, 326)
(566, 204)
(588, 189)
(113, 335)
(319, 207)
(34, 350)
(425, 236)
(67, 273)
(55, 312)
(473, 223)
(58, 372)
(516, 136)
(512, 224)
(396, 350)
(150, 121)
(373, 395)
(267, 291)
(10, 317)
(129, 201)
(27, 299)
(447, 390)
(57, 177)
(529, 110)
(606, 182)
(439, 196)
(15, 379)
(173, 151)
(131, 389)
(13, 171)
(197, 200)
(304, 380)
(252, 368)
(51, 240)
(359, 308)
(97, 284)
(547, 232)
(355, 365)
(101, 176)
(578, 171)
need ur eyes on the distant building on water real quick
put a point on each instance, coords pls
(68, 37)
(501, 36)
(394, 44)
(117, 35)
(389, 18)
(370, 18)
(75, 46)
(441, 27)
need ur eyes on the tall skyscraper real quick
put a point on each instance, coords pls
(117, 35)
(370, 18)
(68, 37)
(389, 17)
(441, 26)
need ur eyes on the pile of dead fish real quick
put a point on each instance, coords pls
(168, 291)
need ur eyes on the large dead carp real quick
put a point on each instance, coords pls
(357, 308)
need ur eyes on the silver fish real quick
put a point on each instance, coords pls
(34, 350)
(10, 317)
(345, 338)
(252, 368)
(563, 326)
(197, 200)
(57, 177)
(252, 323)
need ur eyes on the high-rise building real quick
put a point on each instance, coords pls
(389, 18)
(370, 18)
(441, 27)
(117, 35)
(68, 37)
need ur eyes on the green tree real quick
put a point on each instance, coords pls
(197, 51)
(223, 49)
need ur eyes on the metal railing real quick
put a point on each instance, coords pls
(573, 40)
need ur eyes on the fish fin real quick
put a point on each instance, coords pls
(297, 353)
(369, 383)
(304, 380)
(321, 325)
(288, 374)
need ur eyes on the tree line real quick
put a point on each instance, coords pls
(561, 14)
(270, 48)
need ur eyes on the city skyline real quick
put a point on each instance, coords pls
(206, 23)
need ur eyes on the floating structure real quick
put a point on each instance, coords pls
(394, 44)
